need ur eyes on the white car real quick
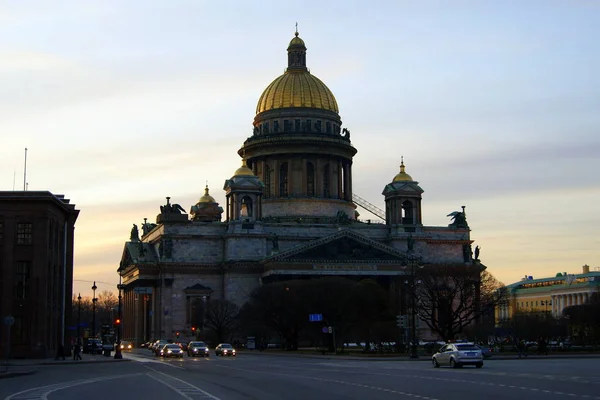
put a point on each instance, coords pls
(456, 355)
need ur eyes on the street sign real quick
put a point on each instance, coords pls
(315, 317)
(142, 290)
(325, 329)
(330, 329)
(9, 320)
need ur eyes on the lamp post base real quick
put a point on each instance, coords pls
(118, 353)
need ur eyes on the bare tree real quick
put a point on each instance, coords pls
(451, 298)
(222, 319)
(107, 300)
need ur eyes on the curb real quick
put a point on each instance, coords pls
(12, 374)
(70, 362)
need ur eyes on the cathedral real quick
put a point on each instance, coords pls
(290, 213)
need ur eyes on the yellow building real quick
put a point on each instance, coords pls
(549, 295)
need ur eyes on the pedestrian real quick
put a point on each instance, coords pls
(77, 351)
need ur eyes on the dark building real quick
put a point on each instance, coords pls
(36, 271)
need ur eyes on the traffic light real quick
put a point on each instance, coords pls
(402, 321)
(193, 329)
(177, 334)
(117, 321)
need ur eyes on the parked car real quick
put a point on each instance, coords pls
(486, 351)
(198, 349)
(225, 349)
(92, 346)
(458, 354)
(171, 350)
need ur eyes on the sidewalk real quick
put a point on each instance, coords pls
(18, 367)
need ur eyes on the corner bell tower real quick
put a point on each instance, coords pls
(403, 201)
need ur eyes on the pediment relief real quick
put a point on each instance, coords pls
(341, 247)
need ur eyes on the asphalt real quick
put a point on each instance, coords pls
(19, 367)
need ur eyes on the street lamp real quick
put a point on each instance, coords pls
(79, 318)
(413, 263)
(118, 354)
(203, 315)
(94, 300)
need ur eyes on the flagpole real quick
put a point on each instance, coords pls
(25, 172)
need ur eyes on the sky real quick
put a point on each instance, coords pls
(494, 106)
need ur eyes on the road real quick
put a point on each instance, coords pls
(263, 376)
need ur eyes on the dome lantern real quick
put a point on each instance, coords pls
(297, 53)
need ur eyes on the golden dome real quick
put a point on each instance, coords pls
(402, 176)
(243, 170)
(207, 198)
(297, 87)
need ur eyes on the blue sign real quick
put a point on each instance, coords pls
(315, 317)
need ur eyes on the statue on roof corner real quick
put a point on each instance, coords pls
(459, 220)
(477, 249)
(171, 208)
(135, 235)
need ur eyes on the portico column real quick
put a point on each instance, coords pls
(340, 176)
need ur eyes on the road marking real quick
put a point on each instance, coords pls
(42, 392)
(146, 360)
(186, 391)
(416, 396)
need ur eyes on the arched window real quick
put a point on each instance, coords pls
(268, 172)
(310, 179)
(283, 180)
(326, 181)
(407, 212)
(246, 209)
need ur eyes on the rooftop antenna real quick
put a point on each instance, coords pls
(25, 172)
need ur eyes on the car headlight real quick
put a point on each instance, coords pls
(169, 351)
